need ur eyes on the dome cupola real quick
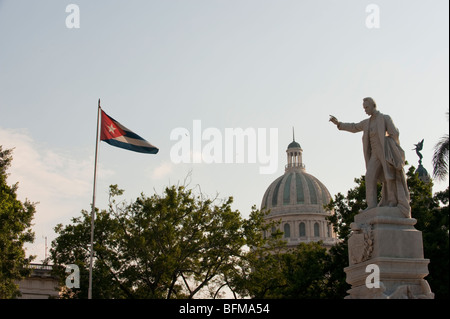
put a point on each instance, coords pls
(294, 155)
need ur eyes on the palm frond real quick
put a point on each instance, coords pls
(440, 158)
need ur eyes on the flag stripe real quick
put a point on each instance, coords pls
(130, 134)
(133, 141)
(131, 147)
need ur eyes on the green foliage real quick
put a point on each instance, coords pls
(277, 272)
(169, 246)
(432, 214)
(260, 270)
(440, 157)
(15, 231)
(299, 273)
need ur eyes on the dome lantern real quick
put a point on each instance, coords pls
(294, 155)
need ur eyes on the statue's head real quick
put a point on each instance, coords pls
(369, 105)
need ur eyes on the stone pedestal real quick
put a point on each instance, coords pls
(387, 241)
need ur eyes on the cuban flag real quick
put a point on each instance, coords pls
(115, 134)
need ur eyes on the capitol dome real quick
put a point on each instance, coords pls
(297, 199)
(296, 191)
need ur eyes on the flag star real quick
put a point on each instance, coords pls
(111, 129)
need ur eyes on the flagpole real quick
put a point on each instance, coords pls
(93, 206)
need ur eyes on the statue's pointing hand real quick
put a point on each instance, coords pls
(334, 120)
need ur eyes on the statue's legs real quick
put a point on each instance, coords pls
(391, 192)
(374, 170)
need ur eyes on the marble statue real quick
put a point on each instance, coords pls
(384, 158)
(383, 237)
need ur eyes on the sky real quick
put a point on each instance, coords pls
(161, 67)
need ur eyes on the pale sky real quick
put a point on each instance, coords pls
(160, 65)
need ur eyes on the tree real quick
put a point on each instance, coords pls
(15, 231)
(432, 214)
(440, 157)
(164, 246)
(280, 273)
(260, 270)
